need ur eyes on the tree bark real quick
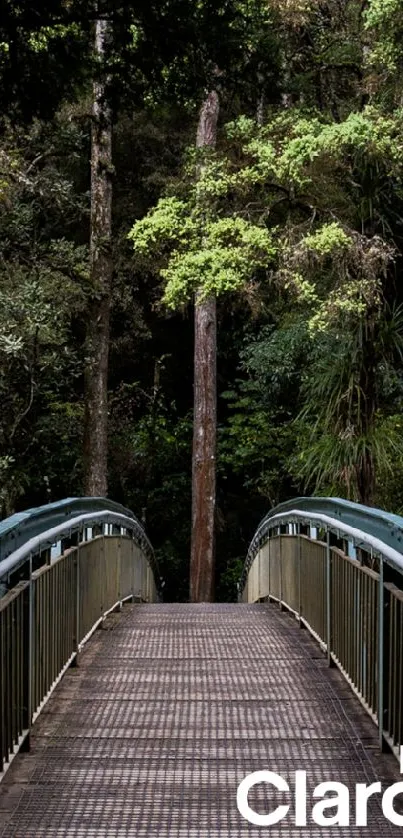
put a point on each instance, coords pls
(205, 410)
(96, 375)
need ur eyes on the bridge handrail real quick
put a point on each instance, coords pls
(19, 528)
(51, 601)
(350, 600)
(367, 527)
(74, 525)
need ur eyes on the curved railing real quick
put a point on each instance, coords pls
(19, 528)
(63, 568)
(338, 567)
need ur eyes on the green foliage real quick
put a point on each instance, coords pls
(328, 239)
(44, 56)
(335, 255)
(150, 462)
(168, 224)
(231, 252)
(258, 437)
(349, 427)
(295, 148)
(211, 255)
(384, 20)
(43, 286)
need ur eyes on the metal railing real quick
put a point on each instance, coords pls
(339, 568)
(61, 583)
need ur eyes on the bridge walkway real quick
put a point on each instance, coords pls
(170, 708)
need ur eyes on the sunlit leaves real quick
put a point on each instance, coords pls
(384, 24)
(168, 223)
(328, 239)
(203, 252)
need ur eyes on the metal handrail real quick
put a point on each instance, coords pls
(352, 603)
(55, 602)
(41, 542)
(19, 528)
(28, 533)
(374, 529)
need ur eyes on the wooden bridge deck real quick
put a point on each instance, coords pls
(170, 708)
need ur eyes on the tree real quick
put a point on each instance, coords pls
(43, 286)
(205, 407)
(96, 398)
(336, 259)
(200, 250)
(158, 80)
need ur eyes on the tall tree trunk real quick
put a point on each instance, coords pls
(96, 376)
(261, 98)
(205, 410)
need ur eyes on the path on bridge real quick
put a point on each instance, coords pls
(170, 708)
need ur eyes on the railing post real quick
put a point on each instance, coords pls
(119, 572)
(281, 568)
(328, 599)
(261, 568)
(3, 735)
(381, 634)
(29, 673)
(299, 575)
(2, 691)
(269, 546)
(77, 608)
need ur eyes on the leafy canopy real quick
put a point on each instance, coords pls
(211, 255)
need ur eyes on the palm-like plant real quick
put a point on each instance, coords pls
(350, 424)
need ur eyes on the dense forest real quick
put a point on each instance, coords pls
(226, 167)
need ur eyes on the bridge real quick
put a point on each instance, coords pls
(122, 716)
